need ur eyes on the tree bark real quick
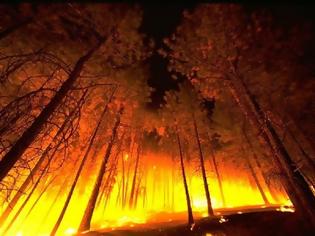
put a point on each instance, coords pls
(123, 182)
(216, 170)
(137, 192)
(296, 186)
(307, 157)
(78, 173)
(203, 169)
(30, 194)
(132, 191)
(257, 163)
(86, 220)
(17, 150)
(39, 197)
(35, 169)
(254, 175)
(61, 189)
(189, 209)
(114, 171)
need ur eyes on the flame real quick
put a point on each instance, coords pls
(223, 220)
(70, 231)
(286, 209)
(160, 196)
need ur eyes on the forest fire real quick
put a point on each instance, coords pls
(158, 191)
(200, 123)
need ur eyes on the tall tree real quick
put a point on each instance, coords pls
(212, 59)
(189, 209)
(203, 169)
(216, 169)
(133, 185)
(78, 173)
(88, 213)
(40, 161)
(30, 134)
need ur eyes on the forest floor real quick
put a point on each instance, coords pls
(266, 221)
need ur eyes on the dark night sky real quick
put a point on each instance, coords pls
(159, 21)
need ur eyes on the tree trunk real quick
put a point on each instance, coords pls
(137, 193)
(128, 173)
(296, 186)
(106, 186)
(35, 169)
(39, 197)
(203, 170)
(189, 209)
(173, 183)
(256, 161)
(86, 220)
(123, 182)
(29, 195)
(22, 206)
(307, 157)
(300, 146)
(114, 172)
(254, 175)
(61, 189)
(119, 192)
(78, 173)
(132, 192)
(17, 150)
(216, 170)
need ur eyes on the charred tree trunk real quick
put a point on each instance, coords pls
(257, 163)
(254, 175)
(173, 182)
(61, 189)
(251, 168)
(123, 182)
(128, 174)
(133, 186)
(39, 197)
(295, 131)
(298, 181)
(119, 192)
(78, 173)
(307, 157)
(263, 195)
(114, 172)
(216, 170)
(203, 169)
(296, 187)
(189, 209)
(106, 186)
(40, 177)
(35, 169)
(293, 137)
(22, 206)
(135, 203)
(17, 150)
(86, 220)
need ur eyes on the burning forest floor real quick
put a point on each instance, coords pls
(245, 221)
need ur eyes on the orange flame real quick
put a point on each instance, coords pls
(160, 196)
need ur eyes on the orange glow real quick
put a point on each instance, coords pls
(160, 196)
